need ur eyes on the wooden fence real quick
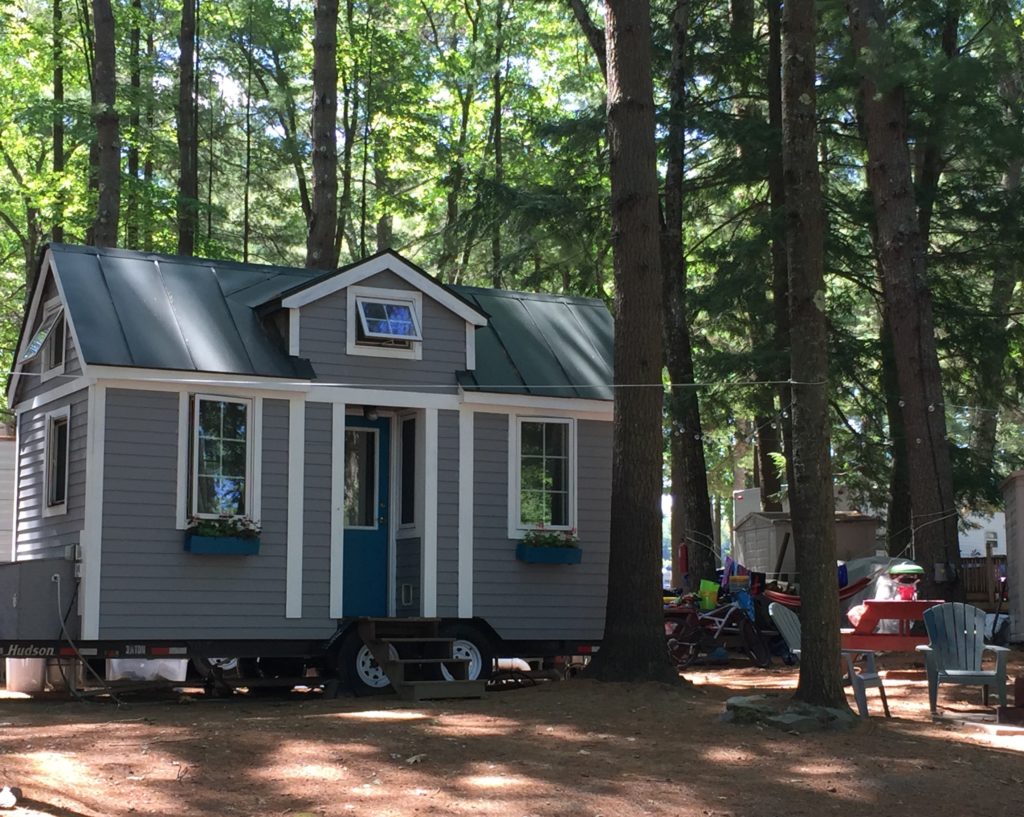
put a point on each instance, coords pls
(981, 577)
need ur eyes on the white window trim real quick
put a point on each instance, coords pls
(516, 530)
(47, 372)
(59, 509)
(415, 350)
(250, 469)
(376, 479)
(363, 300)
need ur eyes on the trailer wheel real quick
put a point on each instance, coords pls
(359, 669)
(473, 646)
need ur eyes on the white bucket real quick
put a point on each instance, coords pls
(25, 674)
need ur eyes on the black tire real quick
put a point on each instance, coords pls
(753, 645)
(472, 644)
(682, 638)
(358, 670)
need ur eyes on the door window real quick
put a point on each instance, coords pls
(361, 478)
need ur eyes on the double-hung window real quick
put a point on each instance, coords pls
(221, 468)
(58, 427)
(543, 474)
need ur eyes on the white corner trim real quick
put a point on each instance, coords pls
(92, 536)
(389, 262)
(46, 509)
(294, 332)
(470, 346)
(430, 514)
(17, 488)
(415, 350)
(337, 510)
(181, 500)
(296, 488)
(466, 508)
(256, 460)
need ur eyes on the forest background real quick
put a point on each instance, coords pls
(470, 137)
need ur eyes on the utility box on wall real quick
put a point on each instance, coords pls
(1013, 496)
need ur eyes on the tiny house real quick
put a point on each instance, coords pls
(215, 458)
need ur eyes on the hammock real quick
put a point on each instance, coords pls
(793, 602)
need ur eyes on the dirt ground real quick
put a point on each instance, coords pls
(575, 747)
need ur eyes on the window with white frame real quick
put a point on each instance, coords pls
(543, 474)
(58, 427)
(49, 339)
(385, 323)
(221, 457)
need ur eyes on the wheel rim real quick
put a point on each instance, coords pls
(369, 671)
(468, 651)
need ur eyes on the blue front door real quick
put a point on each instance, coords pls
(365, 579)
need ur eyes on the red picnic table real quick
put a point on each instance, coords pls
(863, 636)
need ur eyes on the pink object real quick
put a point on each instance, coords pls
(907, 592)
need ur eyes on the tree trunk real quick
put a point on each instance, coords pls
(633, 647)
(108, 166)
(385, 222)
(320, 240)
(691, 523)
(188, 176)
(148, 167)
(777, 204)
(499, 157)
(57, 230)
(899, 517)
(908, 305)
(131, 215)
(247, 181)
(812, 505)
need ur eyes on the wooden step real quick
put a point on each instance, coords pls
(439, 690)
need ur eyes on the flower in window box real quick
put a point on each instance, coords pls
(235, 527)
(541, 537)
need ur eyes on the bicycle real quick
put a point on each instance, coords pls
(688, 631)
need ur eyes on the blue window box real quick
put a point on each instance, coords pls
(547, 555)
(223, 545)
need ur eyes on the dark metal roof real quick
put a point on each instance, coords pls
(155, 311)
(168, 312)
(545, 345)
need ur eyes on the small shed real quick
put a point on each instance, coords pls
(760, 538)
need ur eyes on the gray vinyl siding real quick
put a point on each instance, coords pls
(407, 571)
(31, 384)
(448, 513)
(152, 588)
(323, 327)
(8, 457)
(39, 536)
(527, 601)
(316, 533)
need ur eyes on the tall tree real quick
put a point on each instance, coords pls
(692, 526)
(188, 132)
(134, 121)
(58, 116)
(908, 300)
(633, 647)
(320, 246)
(812, 505)
(108, 166)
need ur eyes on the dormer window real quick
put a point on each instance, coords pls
(385, 322)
